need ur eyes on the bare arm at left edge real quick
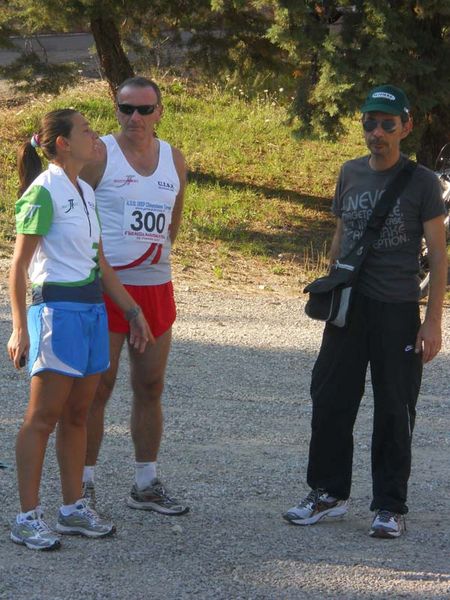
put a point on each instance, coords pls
(177, 212)
(429, 337)
(19, 342)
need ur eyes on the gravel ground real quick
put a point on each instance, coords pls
(235, 447)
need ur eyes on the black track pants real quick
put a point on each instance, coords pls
(382, 334)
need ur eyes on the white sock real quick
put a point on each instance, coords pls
(145, 473)
(89, 474)
(68, 509)
(22, 516)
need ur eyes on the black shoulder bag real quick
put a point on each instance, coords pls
(330, 296)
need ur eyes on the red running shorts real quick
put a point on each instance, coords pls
(157, 303)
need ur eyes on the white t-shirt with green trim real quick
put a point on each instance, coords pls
(52, 207)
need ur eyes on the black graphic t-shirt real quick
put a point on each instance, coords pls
(390, 271)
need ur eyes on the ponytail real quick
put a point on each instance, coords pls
(29, 165)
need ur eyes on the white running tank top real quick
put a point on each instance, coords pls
(135, 215)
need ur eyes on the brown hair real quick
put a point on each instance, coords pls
(142, 82)
(53, 124)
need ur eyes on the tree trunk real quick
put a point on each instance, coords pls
(435, 135)
(114, 62)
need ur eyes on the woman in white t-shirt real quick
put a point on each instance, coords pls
(65, 336)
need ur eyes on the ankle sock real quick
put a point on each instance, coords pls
(89, 474)
(68, 509)
(22, 516)
(145, 473)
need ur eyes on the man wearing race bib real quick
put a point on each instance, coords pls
(139, 187)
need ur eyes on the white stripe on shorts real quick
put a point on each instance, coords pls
(47, 359)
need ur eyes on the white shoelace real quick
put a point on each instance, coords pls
(40, 526)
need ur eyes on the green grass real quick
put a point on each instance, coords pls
(254, 189)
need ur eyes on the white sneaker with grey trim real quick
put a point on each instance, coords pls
(34, 533)
(387, 524)
(317, 505)
(84, 521)
(156, 497)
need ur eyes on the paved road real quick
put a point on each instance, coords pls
(80, 48)
(61, 48)
(58, 48)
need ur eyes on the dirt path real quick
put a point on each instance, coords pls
(235, 447)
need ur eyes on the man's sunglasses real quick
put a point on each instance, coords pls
(143, 109)
(388, 125)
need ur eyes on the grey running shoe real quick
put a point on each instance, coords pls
(155, 497)
(84, 521)
(88, 490)
(317, 505)
(34, 533)
(387, 524)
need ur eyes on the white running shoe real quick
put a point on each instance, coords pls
(387, 524)
(34, 533)
(156, 497)
(317, 505)
(84, 521)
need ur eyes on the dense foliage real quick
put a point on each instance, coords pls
(343, 48)
(328, 52)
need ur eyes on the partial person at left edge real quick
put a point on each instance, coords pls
(65, 333)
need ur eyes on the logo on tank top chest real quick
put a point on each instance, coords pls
(127, 180)
(165, 185)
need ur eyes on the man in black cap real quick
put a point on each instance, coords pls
(384, 329)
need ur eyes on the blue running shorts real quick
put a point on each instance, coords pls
(70, 338)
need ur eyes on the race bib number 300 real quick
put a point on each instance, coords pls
(146, 221)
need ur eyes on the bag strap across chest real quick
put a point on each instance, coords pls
(378, 217)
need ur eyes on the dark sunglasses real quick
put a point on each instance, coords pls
(143, 109)
(387, 125)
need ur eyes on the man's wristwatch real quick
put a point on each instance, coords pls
(132, 313)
